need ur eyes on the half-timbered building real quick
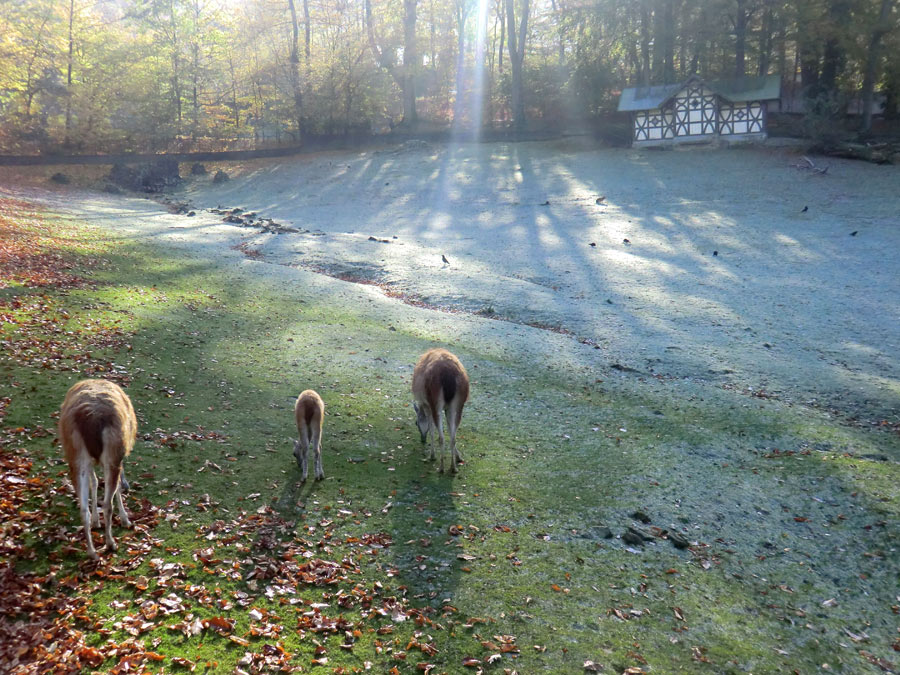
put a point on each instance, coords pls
(696, 110)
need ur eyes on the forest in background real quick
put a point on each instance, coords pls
(79, 76)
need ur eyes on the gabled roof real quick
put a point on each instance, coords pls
(761, 88)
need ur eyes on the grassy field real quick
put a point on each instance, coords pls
(786, 518)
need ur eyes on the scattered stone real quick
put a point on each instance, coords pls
(633, 538)
(220, 177)
(602, 532)
(678, 541)
(642, 533)
(380, 241)
(60, 178)
(641, 516)
(177, 207)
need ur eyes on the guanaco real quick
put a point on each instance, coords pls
(309, 411)
(97, 425)
(440, 383)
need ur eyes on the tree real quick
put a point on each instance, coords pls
(405, 74)
(516, 42)
(882, 27)
(294, 70)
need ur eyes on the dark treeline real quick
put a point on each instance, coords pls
(178, 75)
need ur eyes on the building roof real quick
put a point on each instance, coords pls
(761, 88)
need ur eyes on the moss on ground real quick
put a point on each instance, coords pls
(791, 514)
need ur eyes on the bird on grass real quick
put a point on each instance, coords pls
(444, 258)
(854, 233)
(600, 199)
(804, 209)
(715, 253)
(626, 241)
(594, 244)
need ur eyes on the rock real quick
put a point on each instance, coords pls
(197, 169)
(602, 532)
(642, 533)
(111, 189)
(641, 516)
(633, 538)
(60, 178)
(678, 541)
(191, 214)
(220, 177)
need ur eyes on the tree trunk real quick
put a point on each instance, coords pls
(669, 42)
(683, 44)
(560, 34)
(740, 43)
(295, 70)
(657, 70)
(664, 42)
(501, 12)
(834, 55)
(765, 40)
(809, 70)
(873, 59)
(410, 63)
(234, 105)
(645, 43)
(66, 139)
(404, 77)
(461, 7)
(176, 66)
(516, 44)
(307, 38)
